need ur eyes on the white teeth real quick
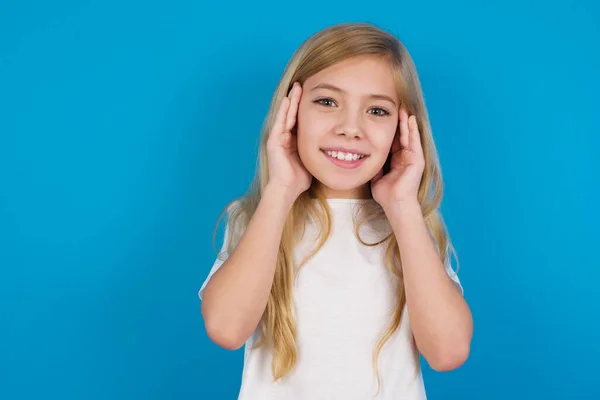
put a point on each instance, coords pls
(340, 155)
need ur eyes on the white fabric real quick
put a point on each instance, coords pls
(343, 299)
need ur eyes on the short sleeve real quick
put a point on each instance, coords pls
(454, 276)
(222, 256)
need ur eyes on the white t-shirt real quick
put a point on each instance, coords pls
(343, 300)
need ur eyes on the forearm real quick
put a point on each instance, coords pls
(439, 315)
(236, 296)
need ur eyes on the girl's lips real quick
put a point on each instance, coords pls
(343, 150)
(343, 163)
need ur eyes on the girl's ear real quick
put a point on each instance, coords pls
(396, 141)
(387, 164)
(393, 148)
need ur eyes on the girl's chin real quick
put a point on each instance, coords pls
(340, 179)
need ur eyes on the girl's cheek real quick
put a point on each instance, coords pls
(382, 138)
(315, 124)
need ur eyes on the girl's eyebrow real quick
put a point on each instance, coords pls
(340, 90)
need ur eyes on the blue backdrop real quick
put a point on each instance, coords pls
(127, 125)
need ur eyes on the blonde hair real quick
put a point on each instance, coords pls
(321, 50)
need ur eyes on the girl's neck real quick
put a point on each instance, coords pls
(360, 193)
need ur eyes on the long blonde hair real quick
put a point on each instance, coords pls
(321, 50)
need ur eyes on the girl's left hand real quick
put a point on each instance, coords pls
(407, 165)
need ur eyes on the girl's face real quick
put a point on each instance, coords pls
(347, 120)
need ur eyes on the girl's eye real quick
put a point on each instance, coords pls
(325, 102)
(379, 112)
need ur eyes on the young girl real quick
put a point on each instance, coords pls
(336, 270)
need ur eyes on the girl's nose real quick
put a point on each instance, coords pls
(350, 124)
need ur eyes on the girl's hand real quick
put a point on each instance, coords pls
(286, 171)
(406, 169)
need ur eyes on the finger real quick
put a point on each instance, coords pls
(294, 103)
(279, 123)
(396, 146)
(404, 133)
(286, 140)
(415, 136)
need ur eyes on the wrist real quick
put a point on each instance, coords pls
(280, 194)
(403, 208)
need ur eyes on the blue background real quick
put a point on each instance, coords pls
(127, 126)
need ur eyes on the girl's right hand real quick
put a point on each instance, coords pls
(286, 171)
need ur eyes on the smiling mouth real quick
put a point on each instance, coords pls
(344, 156)
(344, 159)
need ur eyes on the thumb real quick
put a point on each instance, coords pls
(286, 140)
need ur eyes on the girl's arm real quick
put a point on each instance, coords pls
(439, 315)
(236, 296)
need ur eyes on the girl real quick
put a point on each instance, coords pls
(336, 270)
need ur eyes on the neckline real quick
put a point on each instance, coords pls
(344, 200)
